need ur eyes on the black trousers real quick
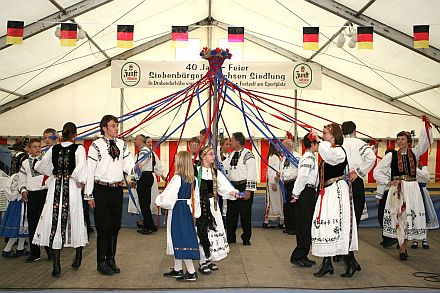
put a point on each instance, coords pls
(87, 215)
(35, 205)
(289, 208)
(358, 198)
(304, 208)
(143, 189)
(380, 212)
(108, 213)
(242, 208)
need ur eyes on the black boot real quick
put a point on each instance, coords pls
(56, 272)
(351, 265)
(78, 258)
(326, 267)
(111, 252)
(101, 250)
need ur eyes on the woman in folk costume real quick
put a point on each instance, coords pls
(430, 213)
(212, 236)
(62, 220)
(274, 197)
(181, 197)
(404, 215)
(14, 223)
(334, 229)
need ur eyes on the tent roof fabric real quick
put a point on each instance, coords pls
(389, 68)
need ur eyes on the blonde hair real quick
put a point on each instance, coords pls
(184, 166)
(204, 150)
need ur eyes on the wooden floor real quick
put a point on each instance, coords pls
(264, 264)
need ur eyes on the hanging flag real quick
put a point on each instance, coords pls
(14, 33)
(68, 34)
(125, 36)
(236, 34)
(365, 37)
(311, 38)
(179, 36)
(421, 36)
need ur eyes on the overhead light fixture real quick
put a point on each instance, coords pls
(341, 40)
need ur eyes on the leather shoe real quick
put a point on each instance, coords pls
(145, 231)
(301, 263)
(291, 232)
(310, 261)
(246, 242)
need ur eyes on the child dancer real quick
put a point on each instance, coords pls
(181, 197)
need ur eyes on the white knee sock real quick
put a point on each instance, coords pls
(20, 245)
(11, 242)
(177, 265)
(189, 266)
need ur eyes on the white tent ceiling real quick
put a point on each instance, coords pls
(390, 69)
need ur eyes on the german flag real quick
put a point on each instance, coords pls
(365, 37)
(68, 34)
(236, 34)
(179, 36)
(125, 36)
(421, 36)
(311, 38)
(14, 34)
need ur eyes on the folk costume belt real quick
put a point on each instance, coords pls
(241, 182)
(311, 186)
(404, 178)
(329, 182)
(109, 184)
(290, 180)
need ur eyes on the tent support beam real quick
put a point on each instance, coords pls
(10, 92)
(55, 18)
(90, 70)
(379, 28)
(417, 91)
(335, 75)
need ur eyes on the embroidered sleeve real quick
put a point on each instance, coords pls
(368, 159)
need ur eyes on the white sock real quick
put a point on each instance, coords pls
(20, 245)
(177, 265)
(189, 266)
(10, 244)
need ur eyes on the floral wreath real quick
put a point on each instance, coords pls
(207, 53)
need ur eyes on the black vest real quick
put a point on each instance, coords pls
(16, 162)
(405, 160)
(206, 186)
(63, 159)
(335, 171)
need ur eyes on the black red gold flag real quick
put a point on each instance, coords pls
(365, 37)
(179, 36)
(68, 34)
(14, 34)
(311, 38)
(421, 36)
(125, 36)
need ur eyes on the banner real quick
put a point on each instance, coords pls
(252, 75)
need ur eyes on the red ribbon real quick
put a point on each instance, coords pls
(427, 127)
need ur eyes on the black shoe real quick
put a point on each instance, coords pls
(173, 274)
(140, 226)
(291, 232)
(9, 254)
(90, 231)
(281, 226)
(22, 252)
(56, 271)
(145, 231)
(78, 258)
(246, 242)
(230, 240)
(352, 266)
(301, 263)
(204, 269)
(188, 277)
(104, 269)
(415, 245)
(403, 256)
(32, 258)
(111, 253)
(212, 266)
(310, 261)
(425, 244)
(112, 265)
(390, 243)
(285, 231)
(267, 226)
(326, 267)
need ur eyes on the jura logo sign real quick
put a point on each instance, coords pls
(302, 75)
(130, 74)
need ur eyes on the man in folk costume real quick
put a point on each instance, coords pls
(288, 175)
(304, 199)
(147, 165)
(109, 161)
(240, 167)
(361, 159)
(404, 215)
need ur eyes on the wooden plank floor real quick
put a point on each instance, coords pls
(264, 264)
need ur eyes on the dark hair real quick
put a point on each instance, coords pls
(144, 138)
(272, 150)
(222, 141)
(194, 139)
(32, 140)
(203, 131)
(407, 134)
(105, 120)
(20, 144)
(50, 130)
(69, 131)
(336, 131)
(239, 137)
(348, 127)
(307, 142)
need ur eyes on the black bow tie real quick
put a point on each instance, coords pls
(113, 150)
(234, 159)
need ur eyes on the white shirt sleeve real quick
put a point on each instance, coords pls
(368, 159)
(80, 172)
(332, 156)
(304, 170)
(422, 175)
(158, 169)
(22, 176)
(92, 162)
(423, 144)
(251, 165)
(197, 209)
(168, 197)
(224, 186)
(128, 162)
(381, 173)
(45, 166)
